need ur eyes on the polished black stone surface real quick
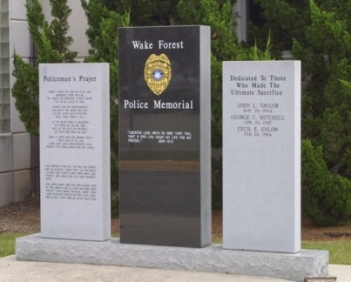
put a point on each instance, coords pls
(164, 137)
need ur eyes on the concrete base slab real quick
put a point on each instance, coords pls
(209, 259)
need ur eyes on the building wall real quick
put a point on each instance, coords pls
(17, 169)
(19, 151)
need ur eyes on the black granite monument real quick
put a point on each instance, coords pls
(164, 136)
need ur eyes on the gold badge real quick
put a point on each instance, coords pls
(157, 73)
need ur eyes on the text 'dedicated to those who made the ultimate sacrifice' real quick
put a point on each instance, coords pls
(258, 110)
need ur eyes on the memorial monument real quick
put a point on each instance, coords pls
(165, 133)
(262, 156)
(75, 151)
(164, 127)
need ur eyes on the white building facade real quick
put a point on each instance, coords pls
(19, 150)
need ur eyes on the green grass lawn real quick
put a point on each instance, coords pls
(7, 243)
(339, 251)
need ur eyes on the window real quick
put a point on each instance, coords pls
(4, 68)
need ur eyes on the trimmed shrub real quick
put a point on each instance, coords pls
(326, 198)
(217, 176)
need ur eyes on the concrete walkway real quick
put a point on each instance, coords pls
(28, 271)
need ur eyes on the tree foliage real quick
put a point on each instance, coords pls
(52, 46)
(104, 17)
(326, 198)
(145, 12)
(103, 39)
(319, 34)
(225, 46)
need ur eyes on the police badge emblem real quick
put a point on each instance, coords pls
(157, 73)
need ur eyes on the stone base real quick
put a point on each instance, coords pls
(209, 259)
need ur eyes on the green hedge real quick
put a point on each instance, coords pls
(326, 198)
